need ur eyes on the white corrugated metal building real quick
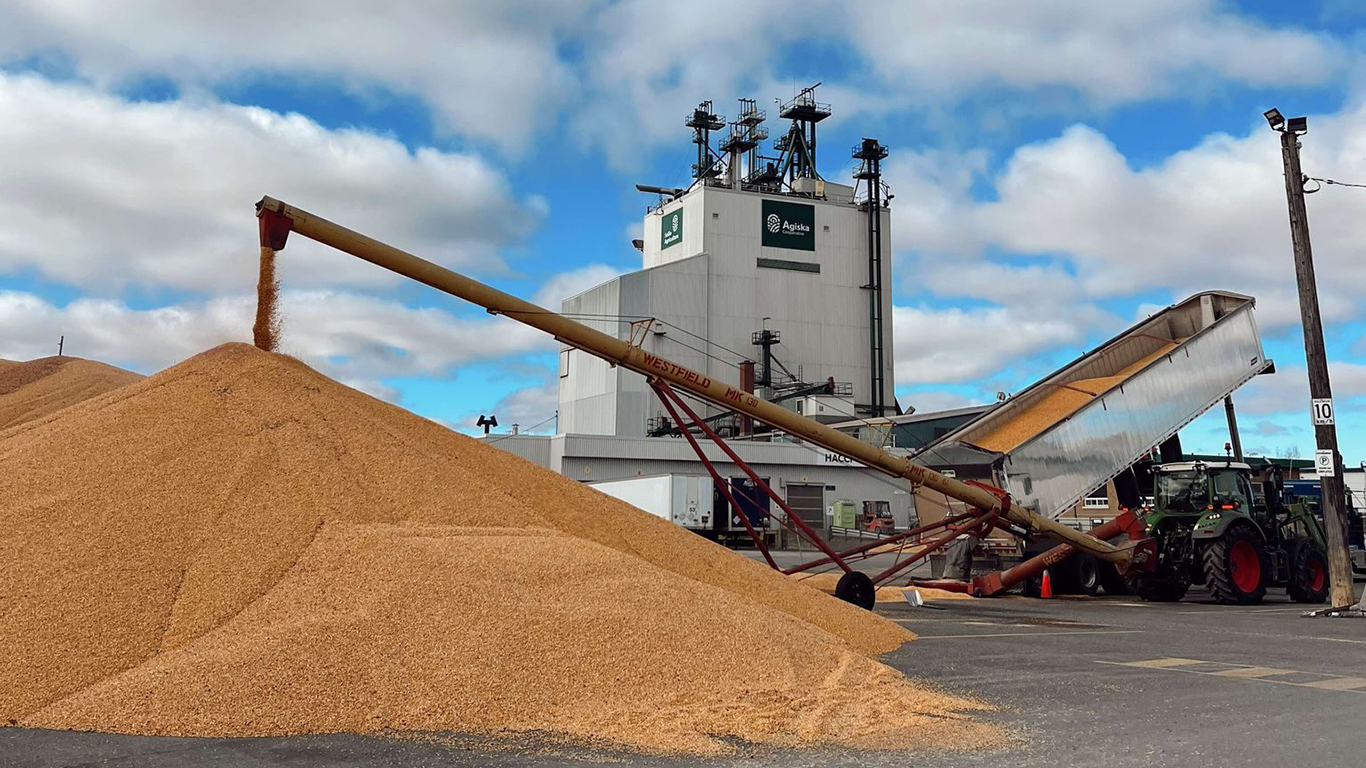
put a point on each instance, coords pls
(716, 272)
(808, 478)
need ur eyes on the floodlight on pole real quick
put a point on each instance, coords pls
(1274, 118)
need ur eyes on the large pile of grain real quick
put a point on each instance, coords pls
(239, 545)
(39, 387)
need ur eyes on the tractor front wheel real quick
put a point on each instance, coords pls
(1236, 567)
(1308, 575)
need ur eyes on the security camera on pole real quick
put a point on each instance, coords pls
(1328, 461)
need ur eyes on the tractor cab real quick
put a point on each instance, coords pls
(1203, 494)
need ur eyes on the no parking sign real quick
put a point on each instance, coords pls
(1324, 466)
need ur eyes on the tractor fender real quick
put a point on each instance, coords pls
(1215, 524)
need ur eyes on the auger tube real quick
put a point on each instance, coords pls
(620, 352)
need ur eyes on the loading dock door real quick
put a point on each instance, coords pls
(808, 503)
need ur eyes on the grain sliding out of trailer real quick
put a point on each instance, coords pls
(1069, 433)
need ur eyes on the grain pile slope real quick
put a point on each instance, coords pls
(141, 520)
(612, 648)
(37, 388)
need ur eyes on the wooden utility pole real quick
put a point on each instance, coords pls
(1325, 431)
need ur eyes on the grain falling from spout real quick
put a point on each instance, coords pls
(265, 332)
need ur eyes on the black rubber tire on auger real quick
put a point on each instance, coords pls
(855, 587)
(1228, 563)
(1111, 580)
(1160, 591)
(1308, 574)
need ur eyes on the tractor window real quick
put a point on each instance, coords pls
(1245, 489)
(1230, 487)
(1181, 491)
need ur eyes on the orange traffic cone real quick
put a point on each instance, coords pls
(1046, 589)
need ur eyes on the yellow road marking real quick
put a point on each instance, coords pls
(1163, 663)
(1251, 672)
(1031, 634)
(1339, 683)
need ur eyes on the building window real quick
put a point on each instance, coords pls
(715, 216)
(1096, 502)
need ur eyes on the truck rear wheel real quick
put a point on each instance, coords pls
(1308, 575)
(1086, 573)
(1236, 567)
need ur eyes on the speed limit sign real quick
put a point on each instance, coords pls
(1323, 411)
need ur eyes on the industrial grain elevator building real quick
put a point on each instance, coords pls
(759, 261)
(760, 273)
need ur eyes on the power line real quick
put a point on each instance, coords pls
(1335, 182)
(496, 438)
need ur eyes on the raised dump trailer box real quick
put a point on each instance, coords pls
(682, 499)
(1067, 434)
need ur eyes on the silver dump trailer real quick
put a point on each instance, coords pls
(682, 499)
(1069, 433)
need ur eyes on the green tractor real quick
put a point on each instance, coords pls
(1211, 529)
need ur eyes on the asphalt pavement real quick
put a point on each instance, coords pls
(1105, 682)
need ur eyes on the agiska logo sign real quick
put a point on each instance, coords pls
(789, 225)
(671, 229)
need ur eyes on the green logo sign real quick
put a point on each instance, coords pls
(671, 229)
(788, 225)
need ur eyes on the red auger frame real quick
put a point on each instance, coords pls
(857, 587)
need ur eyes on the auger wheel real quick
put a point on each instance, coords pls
(855, 587)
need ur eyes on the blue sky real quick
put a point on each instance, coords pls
(1060, 168)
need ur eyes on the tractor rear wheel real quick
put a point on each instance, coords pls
(855, 587)
(1308, 575)
(1236, 567)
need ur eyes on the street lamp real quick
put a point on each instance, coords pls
(1316, 361)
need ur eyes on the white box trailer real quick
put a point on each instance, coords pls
(682, 499)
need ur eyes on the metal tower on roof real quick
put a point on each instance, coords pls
(798, 145)
(703, 121)
(870, 154)
(742, 141)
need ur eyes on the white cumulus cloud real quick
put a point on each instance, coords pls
(103, 193)
(488, 69)
(358, 339)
